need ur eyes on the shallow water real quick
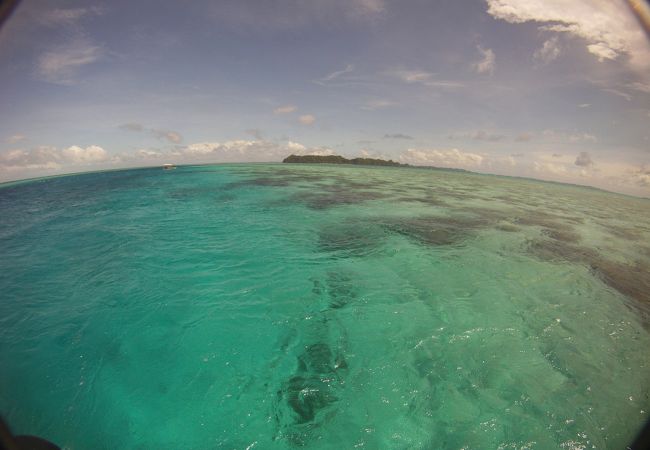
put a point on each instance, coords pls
(278, 306)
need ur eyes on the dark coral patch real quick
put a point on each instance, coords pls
(309, 397)
(631, 280)
(562, 235)
(332, 197)
(436, 231)
(350, 239)
(341, 289)
(306, 397)
(557, 251)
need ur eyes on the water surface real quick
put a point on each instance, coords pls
(280, 306)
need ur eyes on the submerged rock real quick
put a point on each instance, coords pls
(308, 398)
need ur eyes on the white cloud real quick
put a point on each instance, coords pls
(284, 109)
(602, 51)
(611, 174)
(584, 105)
(254, 151)
(442, 158)
(487, 63)
(88, 155)
(550, 51)
(42, 157)
(51, 158)
(296, 147)
(202, 148)
(608, 27)
(146, 153)
(323, 151)
(307, 119)
(61, 64)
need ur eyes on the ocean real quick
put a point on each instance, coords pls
(276, 306)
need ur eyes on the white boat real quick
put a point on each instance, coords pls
(169, 166)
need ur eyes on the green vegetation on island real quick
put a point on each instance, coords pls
(336, 159)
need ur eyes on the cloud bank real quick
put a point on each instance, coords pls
(608, 28)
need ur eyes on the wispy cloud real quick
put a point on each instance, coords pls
(487, 63)
(256, 133)
(397, 136)
(524, 137)
(334, 75)
(132, 126)
(252, 16)
(424, 78)
(479, 135)
(641, 87)
(618, 92)
(307, 119)
(285, 109)
(640, 175)
(68, 16)
(549, 51)
(168, 135)
(373, 105)
(61, 65)
(172, 136)
(15, 138)
(569, 137)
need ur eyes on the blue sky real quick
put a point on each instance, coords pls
(554, 89)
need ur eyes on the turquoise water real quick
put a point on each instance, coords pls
(279, 306)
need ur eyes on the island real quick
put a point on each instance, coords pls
(336, 159)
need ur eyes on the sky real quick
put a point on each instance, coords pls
(556, 89)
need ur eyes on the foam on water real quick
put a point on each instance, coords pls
(278, 306)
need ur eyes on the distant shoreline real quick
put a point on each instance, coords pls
(14, 182)
(336, 159)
